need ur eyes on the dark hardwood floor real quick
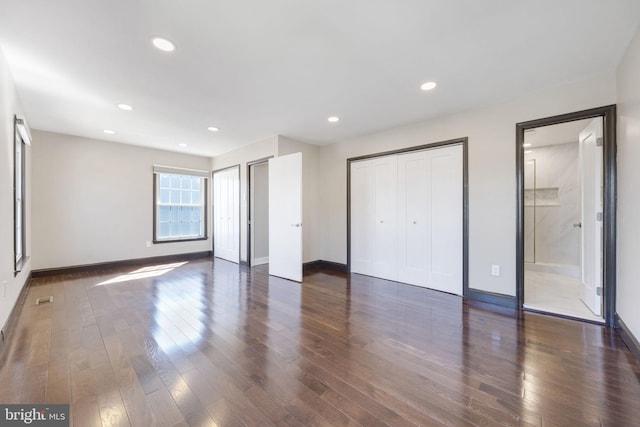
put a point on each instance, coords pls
(210, 343)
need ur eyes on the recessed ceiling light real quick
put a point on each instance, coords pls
(182, 144)
(125, 107)
(526, 145)
(428, 85)
(163, 44)
(527, 152)
(109, 131)
(334, 119)
(213, 129)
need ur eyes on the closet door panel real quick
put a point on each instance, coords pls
(226, 211)
(445, 220)
(412, 218)
(226, 208)
(385, 182)
(362, 217)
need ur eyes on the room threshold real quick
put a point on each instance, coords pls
(563, 313)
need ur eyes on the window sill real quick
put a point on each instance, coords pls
(180, 240)
(20, 265)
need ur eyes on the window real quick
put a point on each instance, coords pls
(22, 138)
(180, 204)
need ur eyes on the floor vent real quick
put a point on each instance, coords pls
(44, 300)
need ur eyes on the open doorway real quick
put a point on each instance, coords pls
(566, 215)
(557, 233)
(275, 209)
(258, 222)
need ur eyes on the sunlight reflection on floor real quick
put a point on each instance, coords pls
(143, 273)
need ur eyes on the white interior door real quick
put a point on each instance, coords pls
(226, 214)
(385, 182)
(591, 171)
(285, 216)
(445, 209)
(406, 218)
(412, 218)
(362, 217)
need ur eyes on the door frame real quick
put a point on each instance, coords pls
(464, 141)
(213, 220)
(249, 225)
(608, 114)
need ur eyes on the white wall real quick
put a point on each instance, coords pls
(628, 238)
(557, 241)
(256, 151)
(10, 286)
(492, 183)
(93, 201)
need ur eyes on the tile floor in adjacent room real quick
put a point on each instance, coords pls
(555, 292)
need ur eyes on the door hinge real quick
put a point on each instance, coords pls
(598, 142)
(249, 221)
(599, 216)
(599, 291)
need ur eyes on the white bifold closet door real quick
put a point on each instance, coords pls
(362, 195)
(406, 218)
(385, 230)
(226, 214)
(430, 218)
(373, 217)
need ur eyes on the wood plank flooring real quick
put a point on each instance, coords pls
(208, 343)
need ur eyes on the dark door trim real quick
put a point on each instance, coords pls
(249, 219)
(465, 200)
(608, 113)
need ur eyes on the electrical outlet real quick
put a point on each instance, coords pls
(148, 243)
(495, 270)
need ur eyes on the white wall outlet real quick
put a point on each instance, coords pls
(148, 243)
(495, 270)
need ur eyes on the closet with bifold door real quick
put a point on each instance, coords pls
(226, 214)
(406, 216)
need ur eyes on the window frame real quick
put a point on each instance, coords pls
(158, 171)
(21, 138)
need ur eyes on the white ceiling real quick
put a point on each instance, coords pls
(257, 68)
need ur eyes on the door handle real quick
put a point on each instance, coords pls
(577, 225)
(296, 225)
